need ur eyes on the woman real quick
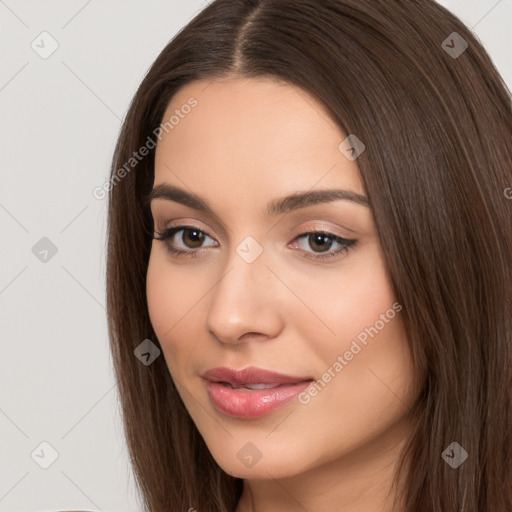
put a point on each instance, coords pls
(309, 222)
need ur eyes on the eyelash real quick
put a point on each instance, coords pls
(346, 244)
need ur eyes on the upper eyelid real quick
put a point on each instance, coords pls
(219, 227)
(223, 228)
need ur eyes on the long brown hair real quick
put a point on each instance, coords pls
(436, 119)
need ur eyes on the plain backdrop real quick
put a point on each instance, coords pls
(59, 119)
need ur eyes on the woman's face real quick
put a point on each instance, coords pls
(249, 291)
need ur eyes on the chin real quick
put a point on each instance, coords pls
(264, 463)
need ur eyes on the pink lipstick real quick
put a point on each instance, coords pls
(251, 392)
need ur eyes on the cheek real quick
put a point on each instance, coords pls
(364, 366)
(363, 343)
(159, 296)
(171, 302)
(366, 296)
(351, 300)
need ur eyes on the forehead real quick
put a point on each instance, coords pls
(251, 134)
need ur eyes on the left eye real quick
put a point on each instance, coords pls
(192, 239)
(324, 241)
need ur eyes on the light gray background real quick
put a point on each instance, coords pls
(60, 117)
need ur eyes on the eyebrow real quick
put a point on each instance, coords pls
(276, 207)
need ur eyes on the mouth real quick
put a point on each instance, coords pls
(251, 392)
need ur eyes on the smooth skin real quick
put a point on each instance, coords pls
(246, 143)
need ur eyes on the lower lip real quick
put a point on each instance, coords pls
(246, 403)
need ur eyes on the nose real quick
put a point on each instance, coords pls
(245, 302)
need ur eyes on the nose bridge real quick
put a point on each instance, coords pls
(241, 301)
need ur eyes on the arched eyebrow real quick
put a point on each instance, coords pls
(275, 207)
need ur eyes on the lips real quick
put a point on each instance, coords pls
(251, 392)
(250, 376)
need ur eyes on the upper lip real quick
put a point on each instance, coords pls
(249, 375)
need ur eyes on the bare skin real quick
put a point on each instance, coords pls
(246, 143)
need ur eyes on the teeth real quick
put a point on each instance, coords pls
(255, 386)
(260, 386)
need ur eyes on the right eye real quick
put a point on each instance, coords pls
(190, 234)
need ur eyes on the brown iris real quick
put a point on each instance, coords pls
(197, 238)
(316, 239)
